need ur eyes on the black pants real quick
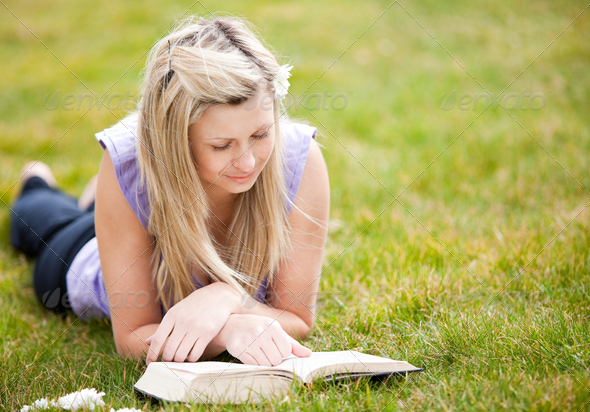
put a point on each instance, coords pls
(48, 224)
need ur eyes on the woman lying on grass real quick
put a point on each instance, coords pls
(210, 216)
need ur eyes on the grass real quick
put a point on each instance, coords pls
(478, 272)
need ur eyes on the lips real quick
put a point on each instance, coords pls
(242, 178)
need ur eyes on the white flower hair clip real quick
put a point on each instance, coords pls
(281, 83)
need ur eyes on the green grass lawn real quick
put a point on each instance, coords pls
(478, 272)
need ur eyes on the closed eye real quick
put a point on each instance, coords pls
(221, 148)
(218, 149)
(262, 136)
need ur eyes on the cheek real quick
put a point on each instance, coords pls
(265, 150)
(206, 166)
(216, 165)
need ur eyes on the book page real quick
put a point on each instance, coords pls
(222, 369)
(209, 368)
(326, 363)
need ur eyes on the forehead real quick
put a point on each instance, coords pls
(234, 120)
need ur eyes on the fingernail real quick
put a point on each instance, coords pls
(148, 363)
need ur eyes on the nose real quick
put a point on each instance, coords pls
(246, 162)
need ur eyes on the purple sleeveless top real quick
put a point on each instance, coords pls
(85, 285)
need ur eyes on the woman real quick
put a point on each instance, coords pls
(210, 220)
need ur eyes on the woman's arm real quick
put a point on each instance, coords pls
(292, 299)
(125, 248)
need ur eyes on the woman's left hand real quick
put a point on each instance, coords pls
(258, 340)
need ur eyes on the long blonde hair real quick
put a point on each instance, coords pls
(204, 63)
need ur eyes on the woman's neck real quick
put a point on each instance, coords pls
(222, 207)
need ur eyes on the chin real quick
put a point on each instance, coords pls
(244, 187)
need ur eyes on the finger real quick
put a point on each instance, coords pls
(259, 355)
(158, 339)
(298, 349)
(283, 345)
(247, 359)
(198, 349)
(172, 345)
(272, 353)
(148, 340)
(185, 347)
(201, 344)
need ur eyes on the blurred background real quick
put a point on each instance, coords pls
(456, 136)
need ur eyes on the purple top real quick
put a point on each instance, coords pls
(84, 278)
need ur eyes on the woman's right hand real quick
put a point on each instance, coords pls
(258, 340)
(190, 325)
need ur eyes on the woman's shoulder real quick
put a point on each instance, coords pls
(121, 142)
(297, 141)
(297, 131)
(120, 139)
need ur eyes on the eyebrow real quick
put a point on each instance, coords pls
(264, 126)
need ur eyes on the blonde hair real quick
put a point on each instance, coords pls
(217, 61)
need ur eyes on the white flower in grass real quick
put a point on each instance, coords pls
(125, 410)
(281, 83)
(39, 404)
(86, 398)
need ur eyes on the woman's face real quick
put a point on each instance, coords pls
(231, 145)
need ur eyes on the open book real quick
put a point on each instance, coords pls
(208, 382)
